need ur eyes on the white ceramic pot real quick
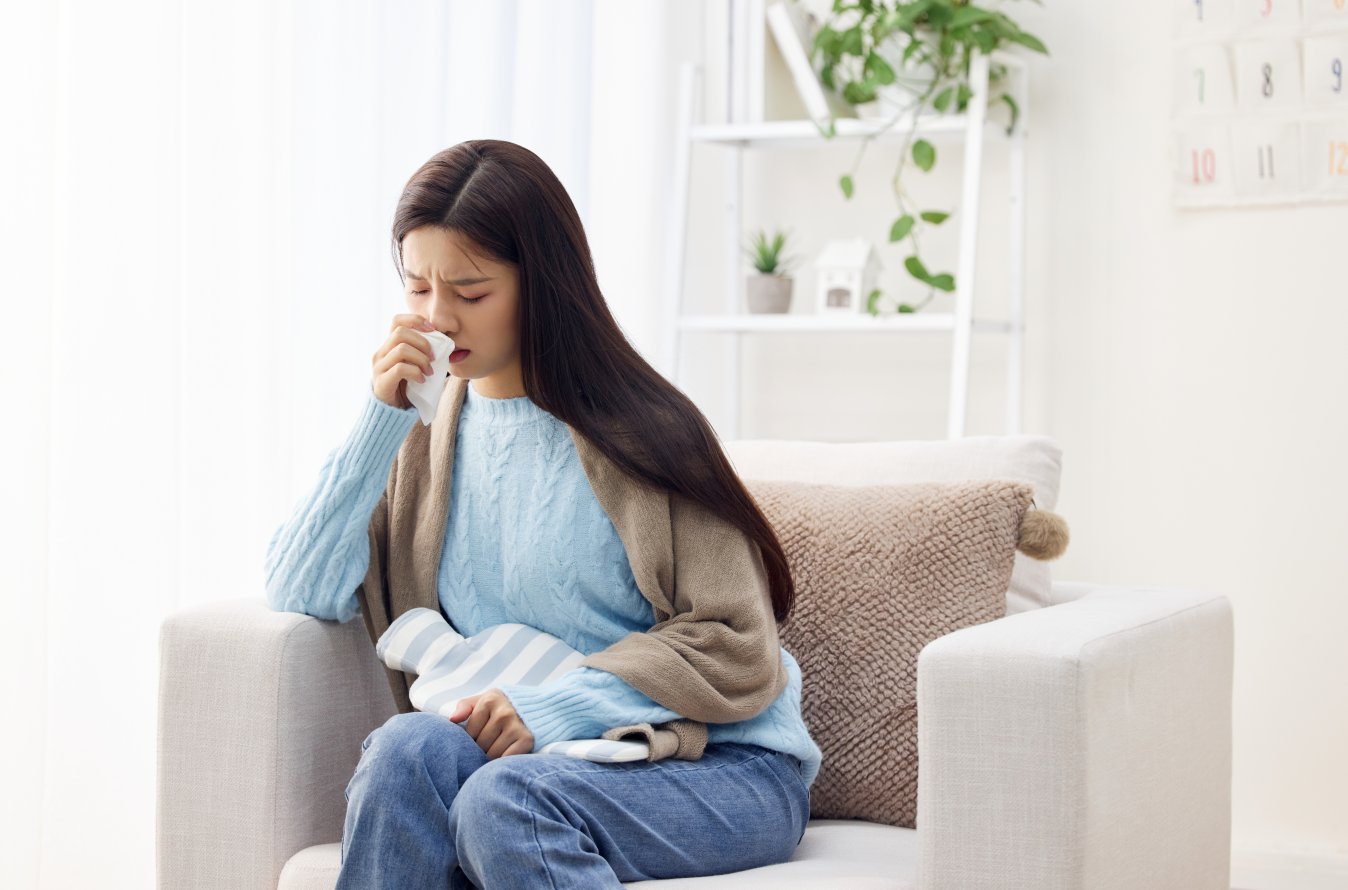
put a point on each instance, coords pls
(769, 293)
(910, 81)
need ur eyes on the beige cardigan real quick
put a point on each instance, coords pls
(712, 655)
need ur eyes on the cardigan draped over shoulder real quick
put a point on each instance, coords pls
(713, 654)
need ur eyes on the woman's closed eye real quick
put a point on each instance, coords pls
(471, 300)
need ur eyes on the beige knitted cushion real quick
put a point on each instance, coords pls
(880, 572)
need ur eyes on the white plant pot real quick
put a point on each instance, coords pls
(769, 293)
(910, 81)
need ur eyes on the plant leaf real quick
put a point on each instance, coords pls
(917, 270)
(1015, 111)
(945, 281)
(963, 96)
(859, 93)
(935, 217)
(902, 226)
(1030, 41)
(939, 16)
(905, 308)
(873, 302)
(924, 154)
(852, 41)
(942, 100)
(969, 15)
(883, 73)
(846, 183)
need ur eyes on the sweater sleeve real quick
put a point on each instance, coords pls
(582, 704)
(318, 557)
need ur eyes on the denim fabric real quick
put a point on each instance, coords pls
(426, 809)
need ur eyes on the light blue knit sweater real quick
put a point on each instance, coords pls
(526, 542)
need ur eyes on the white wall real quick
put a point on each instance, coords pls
(1190, 363)
(194, 172)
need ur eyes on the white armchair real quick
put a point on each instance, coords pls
(1084, 744)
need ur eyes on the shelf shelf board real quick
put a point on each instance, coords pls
(804, 134)
(810, 323)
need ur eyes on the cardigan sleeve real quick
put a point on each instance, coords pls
(714, 654)
(318, 557)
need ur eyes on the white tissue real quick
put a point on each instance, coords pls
(425, 397)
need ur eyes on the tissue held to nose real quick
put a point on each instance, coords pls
(425, 397)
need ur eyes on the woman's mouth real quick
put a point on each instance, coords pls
(458, 355)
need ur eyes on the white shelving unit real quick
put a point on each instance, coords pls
(972, 128)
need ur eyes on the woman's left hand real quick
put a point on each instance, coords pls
(493, 724)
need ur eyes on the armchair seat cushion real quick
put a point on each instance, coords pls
(839, 854)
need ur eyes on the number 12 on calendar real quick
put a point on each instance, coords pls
(1338, 158)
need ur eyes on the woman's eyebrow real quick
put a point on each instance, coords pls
(458, 282)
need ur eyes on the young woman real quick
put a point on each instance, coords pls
(563, 484)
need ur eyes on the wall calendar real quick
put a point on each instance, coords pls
(1261, 102)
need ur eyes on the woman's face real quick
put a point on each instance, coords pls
(472, 299)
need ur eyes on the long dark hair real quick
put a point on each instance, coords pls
(576, 363)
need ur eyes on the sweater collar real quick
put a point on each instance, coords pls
(499, 412)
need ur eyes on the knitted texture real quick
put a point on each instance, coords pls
(526, 541)
(712, 654)
(880, 572)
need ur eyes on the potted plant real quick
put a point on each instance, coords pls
(770, 289)
(903, 60)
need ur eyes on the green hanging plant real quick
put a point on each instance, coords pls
(923, 50)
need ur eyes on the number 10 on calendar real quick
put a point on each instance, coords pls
(1201, 171)
(1205, 165)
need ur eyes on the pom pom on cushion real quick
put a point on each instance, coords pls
(1043, 535)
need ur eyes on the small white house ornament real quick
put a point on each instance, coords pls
(846, 271)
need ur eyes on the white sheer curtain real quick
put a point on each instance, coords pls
(194, 271)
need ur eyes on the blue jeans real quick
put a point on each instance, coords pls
(426, 808)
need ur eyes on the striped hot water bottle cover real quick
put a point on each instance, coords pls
(450, 667)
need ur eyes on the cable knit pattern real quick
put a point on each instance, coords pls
(317, 558)
(526, 541)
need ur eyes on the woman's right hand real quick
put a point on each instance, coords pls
(405, 355)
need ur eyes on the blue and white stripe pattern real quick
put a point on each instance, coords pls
(450, 667)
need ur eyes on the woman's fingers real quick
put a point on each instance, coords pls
(405, 346)
(410, 320)
(463, 709)
(495, 726)
(522, 746)
(510, 743)
(404, 355)
(390, 386)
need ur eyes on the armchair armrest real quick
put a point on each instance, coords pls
(261, 717)
(1085, 745)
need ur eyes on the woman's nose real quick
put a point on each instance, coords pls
(443, 317)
